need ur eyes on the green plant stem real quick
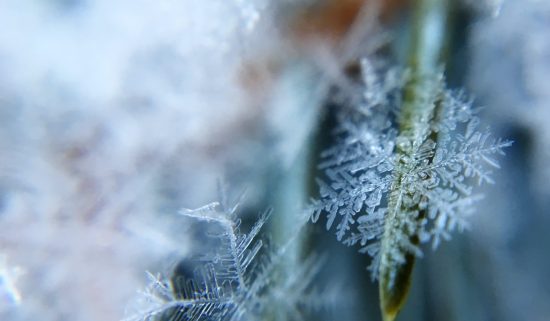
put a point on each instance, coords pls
(290, 182)
(427, 48)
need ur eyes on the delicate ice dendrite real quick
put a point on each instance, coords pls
(407, 182)
(231, 280)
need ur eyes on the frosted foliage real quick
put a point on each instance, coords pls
(231, 281)
(426, 177)
(104, 105)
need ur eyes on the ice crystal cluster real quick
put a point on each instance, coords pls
(235, 278)
(9, 293)
(107, 109)
(386, 180)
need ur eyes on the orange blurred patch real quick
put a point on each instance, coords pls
(332, 19)
(326, 22)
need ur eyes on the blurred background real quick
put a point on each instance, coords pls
(114, 115)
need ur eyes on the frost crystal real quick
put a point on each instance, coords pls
(416, 184)
(232, 281)
(9, 293)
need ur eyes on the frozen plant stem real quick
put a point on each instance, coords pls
(425, 58)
